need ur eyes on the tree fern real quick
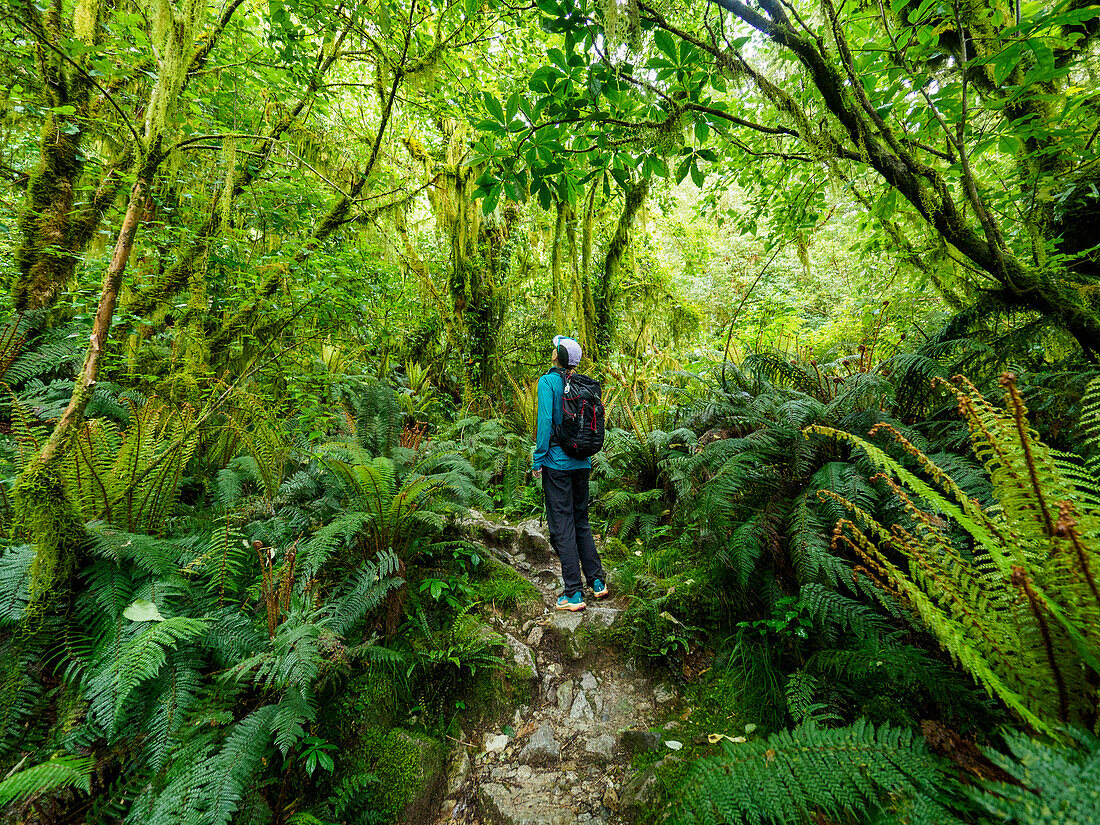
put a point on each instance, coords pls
(791, 776)
(1022, 612)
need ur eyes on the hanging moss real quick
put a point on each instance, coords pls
(46, 516)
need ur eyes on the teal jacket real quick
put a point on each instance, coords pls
(550, 455)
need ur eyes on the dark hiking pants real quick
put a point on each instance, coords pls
(566, 494)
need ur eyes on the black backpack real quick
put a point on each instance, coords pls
(580, 433)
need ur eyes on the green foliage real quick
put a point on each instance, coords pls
(858, 770)
(1018, 609)
(130, 478)
(1045, 783)
(503, 587)
(59, 773)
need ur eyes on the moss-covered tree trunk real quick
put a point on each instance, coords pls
(608, 279)
(55, 226)
(44, 512)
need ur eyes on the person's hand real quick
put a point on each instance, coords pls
(537, 474)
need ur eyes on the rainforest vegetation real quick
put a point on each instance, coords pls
(279, 276)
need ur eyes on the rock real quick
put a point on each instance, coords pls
(597, 703)
(588, 681)
(542, 748)
(495, 742)
(663, 694)
(565, 695)
(532, 541)
(610, 798)
(639, 741)
(412, 767)
(549, 579)
(602, 618)
(522, 658)
(640, 793)
(458, 771)
(501, 807)
(565, 630)
(535, 636)
(581, 709)
(602, 747)
(494, 536)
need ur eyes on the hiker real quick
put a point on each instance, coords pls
(565, 483)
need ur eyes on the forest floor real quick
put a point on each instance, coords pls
(564, 755)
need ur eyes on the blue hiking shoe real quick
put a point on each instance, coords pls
(572, 603)
(599, 589)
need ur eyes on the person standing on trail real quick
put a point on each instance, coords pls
(565, 485)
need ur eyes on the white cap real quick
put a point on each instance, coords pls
(572, 349)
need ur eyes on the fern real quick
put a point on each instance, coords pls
(1022, 613)
(15, 571)
(137, 661)
(839, 616)
(60, 772)
(130, 477)
(1051, 784)
(362, 593)
(1090, 426)
(792, 776)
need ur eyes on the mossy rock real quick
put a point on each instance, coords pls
(576, 635)
(370, 701)
(505, 588)
(410, 772)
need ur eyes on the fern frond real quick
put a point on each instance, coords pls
(840, 773)
(362, 593)
(1054, 784)
(60, 772)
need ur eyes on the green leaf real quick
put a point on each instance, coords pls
(490, 202)
(494, 108)
(143, 610)
(702, 131)
(664, 41)
(511, 107)
(697, 176)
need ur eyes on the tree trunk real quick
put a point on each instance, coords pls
(44, 512)
(556, 310)
(606, 285)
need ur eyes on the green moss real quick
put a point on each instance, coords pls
(409, 768)
(505, 588)
(47, 517)
(370, 701)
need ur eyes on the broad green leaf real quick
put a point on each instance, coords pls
(142, 610)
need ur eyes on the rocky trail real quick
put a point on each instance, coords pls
(564, 756)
